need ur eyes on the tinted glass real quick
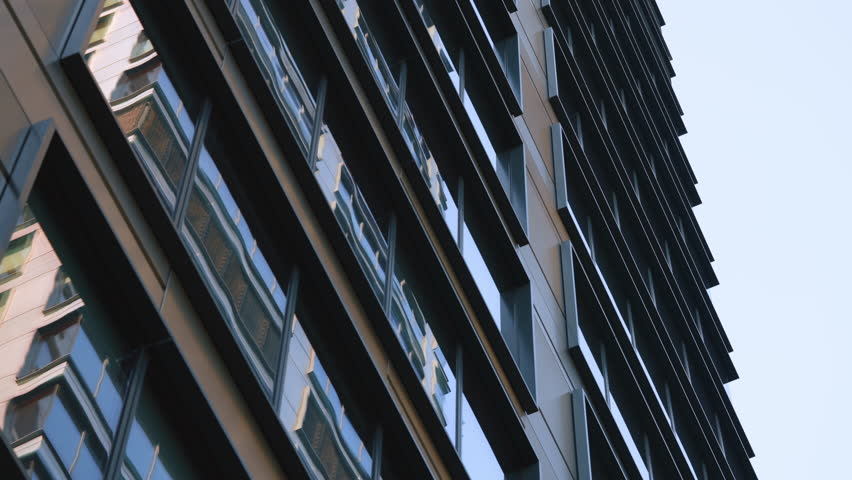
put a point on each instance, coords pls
(317, 419)
(251, 296)
(275, 61)
(74, 440)
(476, 453)
(410, 313)
(369, 47)
(130, 74)
(16, 254)
(481, 275)
(154, 450)
(354, 216)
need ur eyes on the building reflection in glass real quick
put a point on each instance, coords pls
(369, 47)
(64, 377)
(318, 421)
(159, 127)
(274, 58)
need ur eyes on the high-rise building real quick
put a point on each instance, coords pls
(352, 239)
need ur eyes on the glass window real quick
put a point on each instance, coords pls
(94, 352)
(69, 433)
(153, 449)
(277, 64)
(369, 47)
(437, 41)
(355, 217)
(155, 119)
(101, 29)
(26, 219)
(481, 274)
(411, 309)
(142, 46)
(317, 419)
(51, 344)
(476, 453)
(16, 256)
(226, 252)
(63, 290)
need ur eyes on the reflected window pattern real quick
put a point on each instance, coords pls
(16, 256)
(351, 210)
(236, 271)
(409, 318)
(77, 379)
(472, 113)
(147, 107)
(63, 290)
(159, 127)
(274, 58)
(438, 42)
(370, 50)
(317, 419)
(77, 446)
(89, 345)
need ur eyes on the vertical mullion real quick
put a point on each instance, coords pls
(319, 115)
(461, 75)
(377, 453)
(403, 81)
(284, 349)
(192, 163)
(125, 419)
(460, 226)
(459, 393)
(390, 266)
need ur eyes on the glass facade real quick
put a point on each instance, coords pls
(73, 381)
(249, 294)
(237, 245)
(274, 58)
(317, 420)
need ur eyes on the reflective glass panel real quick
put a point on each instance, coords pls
(78, 447)
(409, 314)
(149, 111)
(359, 225)
(154, 450)
(317, 420)
(16, 254)
(476, 453)
(481, 275)
(437, 41)
(366, 41)
(274, 58)
(237, 274)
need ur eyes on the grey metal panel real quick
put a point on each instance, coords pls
(581, 435)
(55, 18)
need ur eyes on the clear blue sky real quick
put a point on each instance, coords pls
(765, 86)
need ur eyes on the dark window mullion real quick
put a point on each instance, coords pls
(389, 268)
(125, 419)
(460, 206)
(318, 122)
(377, 453)
(292, 293)
(192, 164)
(459, 394)
(403, 81)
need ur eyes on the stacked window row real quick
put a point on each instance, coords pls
(595, 228)
(184, 148)
(82, 401)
